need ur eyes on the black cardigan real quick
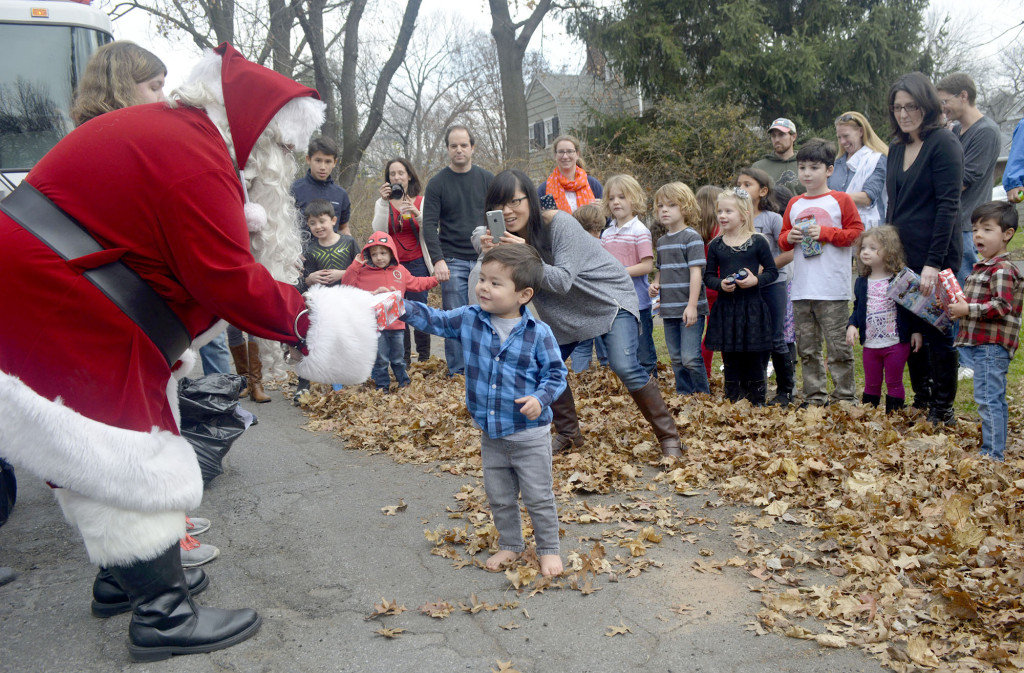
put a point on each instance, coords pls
(926, 208)
(859, 317)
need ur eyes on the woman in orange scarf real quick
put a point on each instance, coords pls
(569, 182)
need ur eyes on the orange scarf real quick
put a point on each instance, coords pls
(558, 185)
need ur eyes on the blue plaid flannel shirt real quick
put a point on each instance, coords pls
(528, 363)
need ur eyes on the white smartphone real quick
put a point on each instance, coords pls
(496, 223)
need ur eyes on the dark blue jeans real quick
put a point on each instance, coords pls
(646, 353)
(455, 293)
(684, 352)
(390, 351)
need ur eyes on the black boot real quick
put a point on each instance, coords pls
(873, 400)
(422, 345)
(755, 390)
(166, 621)
(733, 390)
(109, 599)
(408, 345)
(920, 378)
(893, 404)
(567, 424)
(785, 379)
(944, 367)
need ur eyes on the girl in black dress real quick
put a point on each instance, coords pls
(740, 326)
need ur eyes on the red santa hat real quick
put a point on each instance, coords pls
(254, 97)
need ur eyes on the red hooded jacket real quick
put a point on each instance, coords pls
(364, 275)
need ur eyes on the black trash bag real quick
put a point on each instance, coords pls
(8, 490)
(211, 419)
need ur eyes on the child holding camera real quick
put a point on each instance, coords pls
(740, 326)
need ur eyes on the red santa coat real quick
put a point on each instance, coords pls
(171, 208)
(363, 274)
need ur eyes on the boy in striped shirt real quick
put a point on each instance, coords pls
(990, 319)
(514, 371)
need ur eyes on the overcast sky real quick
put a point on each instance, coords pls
(990, 18)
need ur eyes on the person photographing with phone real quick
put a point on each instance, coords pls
(398, 212)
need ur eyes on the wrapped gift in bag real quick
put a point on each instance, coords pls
(905, 290)
(388, 306)
(949, 288)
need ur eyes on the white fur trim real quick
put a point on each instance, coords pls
(209, 335)
(342, 335)
(185, 364)
(255, 216)
(298, 120)
(144, 471)
(115, 536)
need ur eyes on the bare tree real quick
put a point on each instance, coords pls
(511, 38)
(948, 40)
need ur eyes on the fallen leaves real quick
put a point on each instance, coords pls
(923, 540)
(389, 633)
(619, 630)
(386, 608)
(392, 510)
(437, 609)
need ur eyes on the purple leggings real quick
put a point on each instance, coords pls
(891, 360)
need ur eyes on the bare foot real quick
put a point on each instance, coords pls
(550, 565)
(502, 557)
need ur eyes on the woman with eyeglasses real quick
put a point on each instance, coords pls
(397, 212)
(860, 169)
(569, 183)
(585, 293)
(924, 176)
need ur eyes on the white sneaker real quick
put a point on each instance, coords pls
(964, 373)
(770, 370)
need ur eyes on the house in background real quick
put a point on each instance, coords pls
(557, 104)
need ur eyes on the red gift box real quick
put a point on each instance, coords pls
(949, 289)
(388, 306)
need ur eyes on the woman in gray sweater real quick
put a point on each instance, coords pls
(585, 293)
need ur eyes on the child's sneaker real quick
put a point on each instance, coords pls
(964, 373)
(194, 553)
(194, 525)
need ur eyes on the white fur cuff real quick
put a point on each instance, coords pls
(342, 335)
(140, 471)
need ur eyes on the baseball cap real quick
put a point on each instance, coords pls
(783, 124)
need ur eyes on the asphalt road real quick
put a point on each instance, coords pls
(303, 540)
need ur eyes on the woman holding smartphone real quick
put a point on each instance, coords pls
(397, 212)
(585, 293)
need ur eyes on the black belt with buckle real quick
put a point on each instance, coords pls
(31, 209)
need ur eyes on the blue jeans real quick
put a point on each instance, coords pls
(581, 355)
(512, 467)
(684, 352)
(455, 293)
(647, 354)
(991, 363)
(418, 268)
(621, 341)
(390, 351)
(215, 356)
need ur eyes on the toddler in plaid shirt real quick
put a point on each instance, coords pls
(514, 371)
(990, 319)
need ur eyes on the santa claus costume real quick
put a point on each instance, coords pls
(184, 195)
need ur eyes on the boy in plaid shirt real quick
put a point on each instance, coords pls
(514, 371)
(990, 319)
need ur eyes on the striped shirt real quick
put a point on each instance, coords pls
(631, 243)
(678, 253)
(995, 292)
(499, 372)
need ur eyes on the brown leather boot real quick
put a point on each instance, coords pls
(241, 357)
(653, 407)
(256, 374)
(567, 424)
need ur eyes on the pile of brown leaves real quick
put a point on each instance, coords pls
(922, 536)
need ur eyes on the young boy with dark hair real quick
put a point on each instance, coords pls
(325, 258)
(375, 268)
(321, 157)
(513, 373)
(821, 225)
(990, 319)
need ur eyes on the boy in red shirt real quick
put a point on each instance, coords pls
(377, 268)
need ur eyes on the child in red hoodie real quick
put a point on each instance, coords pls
(377, 268)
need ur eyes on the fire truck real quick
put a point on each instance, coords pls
(44, 47)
